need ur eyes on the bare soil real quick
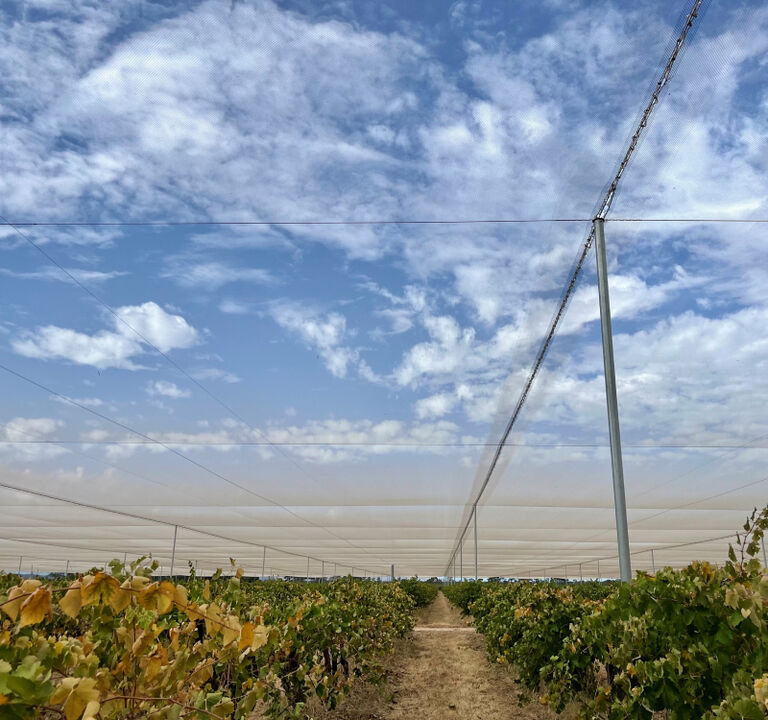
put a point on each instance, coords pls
(442, 672)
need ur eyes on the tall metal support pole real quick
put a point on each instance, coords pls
(173, 552)
(392, 573)
(617, 468)
(581, 577)
(474, 517)
(653, 561)
(461, 559)
(307, 568)
(765, 562)
(21, 557)
(264, 562)
(322, 569)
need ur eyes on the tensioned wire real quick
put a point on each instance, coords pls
(375, 443)
(681, 506)
(602, 208)
(188, 459)
(133, 553)
(659, 548)
(265, 223)
(483, 221)
(187, 375)
(167, 523)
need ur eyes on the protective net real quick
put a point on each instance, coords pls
(276, 278)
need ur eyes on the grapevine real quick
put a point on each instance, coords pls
(682, 644)
(120, 644)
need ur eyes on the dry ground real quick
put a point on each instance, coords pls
(442, 672)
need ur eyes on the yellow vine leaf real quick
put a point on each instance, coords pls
(180, 597)
(158, 597)
(202, 673)
(246, 637)
(207, 590)
(260, 637)
(240, 572)
(98, 588)
(72, 601)
(17, 594)
(12, 605)
(145, 640)
(80, 698)
(155, 662)
(3, 699)
(252, 637)
(36, 607)
(121, 598)
(139, 582)
(194, 612)
(230, 629)
(212, 618)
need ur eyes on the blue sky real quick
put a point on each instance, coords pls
(347, 110)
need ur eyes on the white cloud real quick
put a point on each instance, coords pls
(435, 405)
(54, 274)
(324, 333)
(213, 275)
(234, 307)
(687, 378)
(215, 374)
(443, 355)
(167, 389)
(528, 140)
(341, 440)
(102, 350)
(87, 401)
(162, 329)
(21, 428)
(106, 348)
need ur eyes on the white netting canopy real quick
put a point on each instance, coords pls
(275, 274)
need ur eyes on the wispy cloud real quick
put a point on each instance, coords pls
(213, 275)
(166, 389)
(52, 274)
(325, 333)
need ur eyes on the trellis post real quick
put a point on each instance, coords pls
(617, 467)
(474, 517)
(173, 551)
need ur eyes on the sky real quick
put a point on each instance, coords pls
(413, 334)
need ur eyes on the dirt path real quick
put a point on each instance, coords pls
(442, 673)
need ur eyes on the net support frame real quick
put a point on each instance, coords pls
(611, 398)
